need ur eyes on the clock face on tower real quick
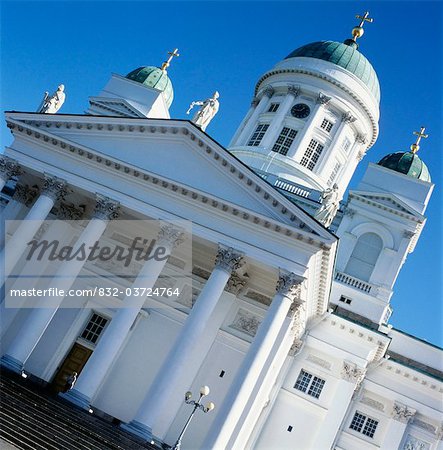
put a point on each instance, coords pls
(300, 110)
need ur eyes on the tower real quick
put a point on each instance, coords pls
(312, 118)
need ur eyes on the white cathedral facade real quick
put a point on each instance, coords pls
(284, 313)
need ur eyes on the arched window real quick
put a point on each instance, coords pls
(364, 256)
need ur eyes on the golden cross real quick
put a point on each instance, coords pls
(364, 19)
(357, 32)
(167, 63)
(420, 134)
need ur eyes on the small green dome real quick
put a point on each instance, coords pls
(155, 78)
(407, 163)
(345, 55)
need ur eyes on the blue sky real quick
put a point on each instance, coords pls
(227, 46)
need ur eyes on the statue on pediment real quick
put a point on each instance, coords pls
(329, 206)
(206, 113)
(51, 104)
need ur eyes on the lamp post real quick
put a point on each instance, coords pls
(204, 391)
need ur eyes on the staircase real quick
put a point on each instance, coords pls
(33, 419)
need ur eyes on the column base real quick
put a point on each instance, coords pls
(11, 363)
(77, 398)
(138, 429)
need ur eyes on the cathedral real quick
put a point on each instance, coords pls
(255, 295)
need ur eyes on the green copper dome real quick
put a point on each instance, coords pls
(155, 78)
(407, 163)
(345, 55)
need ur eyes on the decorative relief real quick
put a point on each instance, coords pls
(413, 443)
(352, 373)
(246, 322)
(323, 99)
(25, 194)
(228, 259)
(105, 208)
(67, 211)
(347, 117)
(296, 346)
(361, 138)
(9, 168)
(54, 187)
(360, 155)
(289, 285)
(320, 362)
(170, 235)
(402, 413)
(425, 425)
(373, 403)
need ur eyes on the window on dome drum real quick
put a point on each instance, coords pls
(312, 154)
(284, 141)
(364, 256)
(363, 424)
(346, 144)
(273, 107)
(258, 134)
(346, 300)
(327, 125)
(94, 328)
(310, 384)
(334, 173)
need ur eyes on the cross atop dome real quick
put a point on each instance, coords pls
(167, 63)
(357, 32)
(420, 134)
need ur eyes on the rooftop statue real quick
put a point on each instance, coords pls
(206, 113)
(51, 104)
(329, 206)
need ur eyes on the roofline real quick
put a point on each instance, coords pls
(418, 339)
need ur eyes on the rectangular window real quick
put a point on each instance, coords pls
(326, 125)
(363, 424)
(94, 328)
(310, 384)
(312, 154)
(284, 141)
(334, 173)
(258, 134)
(346, 300)
(346, 144)
(273, 107)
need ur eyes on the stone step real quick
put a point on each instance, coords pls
(32, 418)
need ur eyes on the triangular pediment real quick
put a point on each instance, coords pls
(386, 201)
(176, 152)
(115, 107)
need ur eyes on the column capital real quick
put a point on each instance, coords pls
(25, 194)
(322, 99)
(360, 155)
(347, 117)
(54, 187)
(170, 236)
(105, 208)
(238, 279)
(352, 373)
(402, 413)
(67, 211)
(9, 167)
(268, 91)
(228, 259)
(361, 138)
(293, 90)
(289, 285)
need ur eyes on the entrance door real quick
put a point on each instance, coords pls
(74, 362)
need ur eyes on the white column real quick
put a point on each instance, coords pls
(8, 168)
(255, 101)
(305, 134)
(253, 120)
(156, 403)
(288, 293)
(401, 415)
(116, 332)
(37, 322)
(53, 189)
(279, 117)
(352, 377)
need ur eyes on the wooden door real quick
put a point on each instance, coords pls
(74, 362)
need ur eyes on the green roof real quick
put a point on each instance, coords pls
(407, 163)
(156, 78)
(345, 55)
